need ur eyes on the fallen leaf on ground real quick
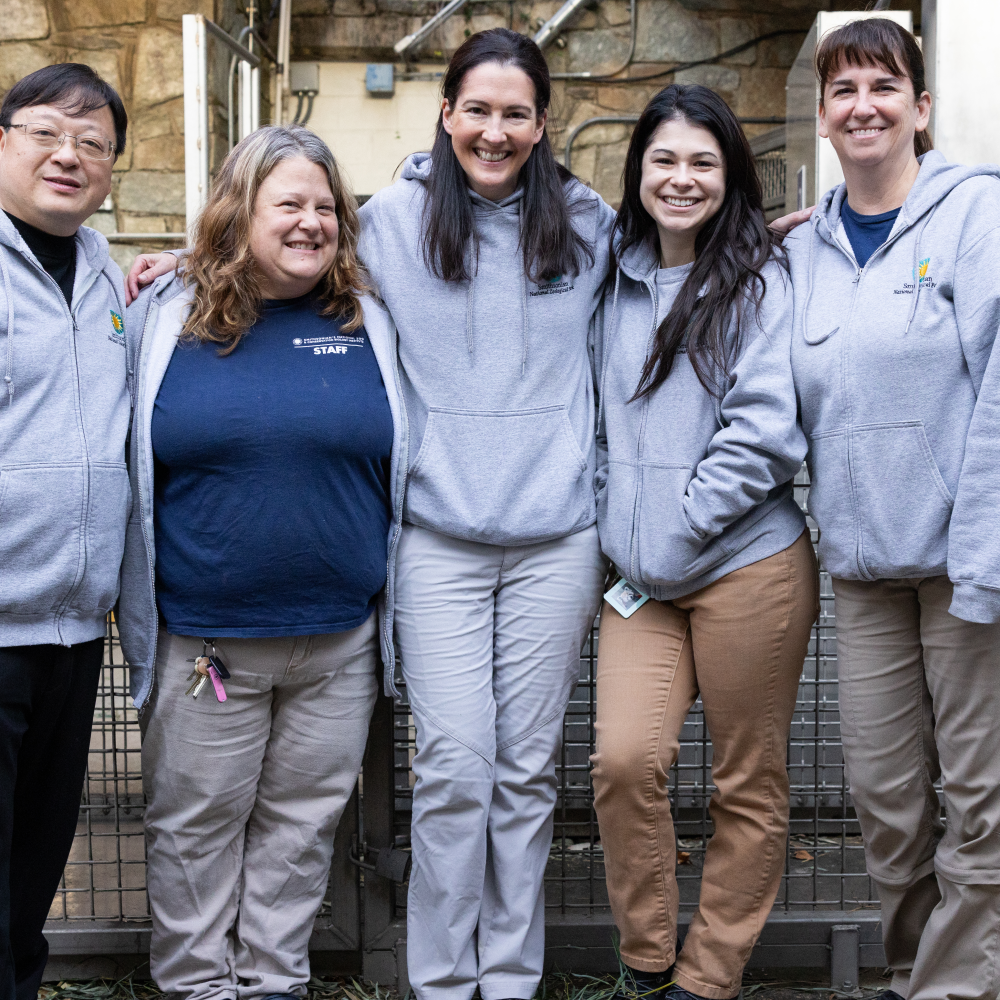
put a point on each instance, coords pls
(802, 856)
(683, 857)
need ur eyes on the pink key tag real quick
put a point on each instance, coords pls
(220, 691)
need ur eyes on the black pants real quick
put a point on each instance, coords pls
(47, 698)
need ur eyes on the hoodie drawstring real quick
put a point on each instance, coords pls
(470, 298)
(9, 375)
(524, 293)
(809, 286)
(607, 347)
(916, 270)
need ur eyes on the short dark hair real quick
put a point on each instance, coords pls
(875, 41)
(71, 87)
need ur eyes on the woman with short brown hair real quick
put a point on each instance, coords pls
(266, 460)
(898, 381)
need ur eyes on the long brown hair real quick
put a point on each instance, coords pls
(875, 41)
(221, 268)
(726, 286)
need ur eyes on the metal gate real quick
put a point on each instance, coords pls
(99, 921)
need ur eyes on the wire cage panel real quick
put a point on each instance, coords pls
(104, 881)
(825, 866)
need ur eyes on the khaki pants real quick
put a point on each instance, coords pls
(920, 700)
(244, 797)
(740, 643)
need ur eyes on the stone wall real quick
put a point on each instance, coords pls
(669, 32)
(136, 46)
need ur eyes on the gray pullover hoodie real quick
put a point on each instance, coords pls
(64, 413)
(899, 386)
(690, 486)
(496, 375)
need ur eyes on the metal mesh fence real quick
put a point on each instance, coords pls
(825, 867)
(105, 877)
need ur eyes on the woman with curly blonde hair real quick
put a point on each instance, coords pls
(265, 458)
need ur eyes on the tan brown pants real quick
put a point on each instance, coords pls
(740, 643)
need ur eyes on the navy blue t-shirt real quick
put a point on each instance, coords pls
(271, 480)
(866, 232)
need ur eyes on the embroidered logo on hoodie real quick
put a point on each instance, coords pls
(920, 277)
(117, 336)
(554, 286)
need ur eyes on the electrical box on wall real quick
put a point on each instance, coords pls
(812, 164)
(379, 80)
(371, 138)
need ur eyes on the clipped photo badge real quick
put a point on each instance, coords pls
(626, 598)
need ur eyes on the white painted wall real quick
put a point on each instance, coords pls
(960, 46)
(370, 136)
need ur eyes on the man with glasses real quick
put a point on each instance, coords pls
(64, 493)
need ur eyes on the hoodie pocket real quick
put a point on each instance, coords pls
(669, 550)
(904, 507)
(616, 513)
(41, 514)
(110, 506)
(500, 476)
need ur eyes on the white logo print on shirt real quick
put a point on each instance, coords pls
(337, 344)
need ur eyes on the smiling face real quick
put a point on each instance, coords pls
(869, 115)
(293, 234)
(494, 127)
(54, 190)
(683, 186)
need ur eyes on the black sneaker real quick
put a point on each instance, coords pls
(637, 985)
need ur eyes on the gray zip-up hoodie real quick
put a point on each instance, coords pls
(495, 371)
(155, 320)
(691, 486)
(899, 386)
(64, 411)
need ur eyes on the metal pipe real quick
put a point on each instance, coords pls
(589, 123)
(405, 44)
(284, 57)
(620, 69)
(143, 237)
(631, 120)
(228, 40)
(549, 31)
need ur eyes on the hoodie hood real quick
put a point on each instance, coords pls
(891, 364)
(495, 371)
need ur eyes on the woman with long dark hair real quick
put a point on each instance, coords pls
(491, 258)
(698, 445)
(897, 371)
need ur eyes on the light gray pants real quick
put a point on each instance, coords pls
(243, 802)
(490, 640)
(919, 700)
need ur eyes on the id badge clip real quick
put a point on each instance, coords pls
(626, 598)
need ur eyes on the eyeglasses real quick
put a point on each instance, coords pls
(91, 147)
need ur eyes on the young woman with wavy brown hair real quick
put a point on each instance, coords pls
(698, 445)
(267, 460)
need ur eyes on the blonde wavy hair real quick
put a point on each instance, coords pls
(221, 268)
